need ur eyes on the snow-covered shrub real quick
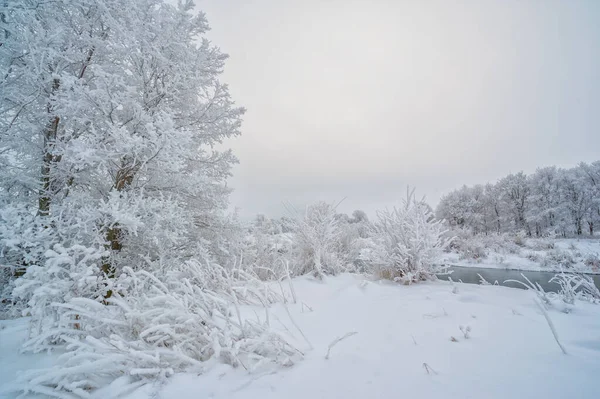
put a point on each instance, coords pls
(576, 286)
(572, 286)
(519, 238)
(317, 240)
(355, 241)
(505, 243)
(479, 247)
(540, 244)
(23, 241)
(458, 237)
(592, 261)
(410, 240)
(557, 257)
(66, 273)
(545, 297)
(154, 326)
(465, 244)
(223, 236)
(22, 238)
(532, 256)
(472, 250)
(266, 250)
(363, 253)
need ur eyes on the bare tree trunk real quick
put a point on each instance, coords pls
(114, 235)
(50, 138)
(497, 218)
(50, 135)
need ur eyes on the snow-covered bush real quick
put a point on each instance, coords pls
(355, 241)
(67, 273)
(479, 247)
(23, 241)
(576, 286)
(519, 238)
(532, 256)
(266, 250)
(319, 241)
(155, 325)
(592, 261)
(410, 239)
(317, 238)
(546, 297)
(540, 244)
(558, 257)
(572, 287)
(472, 250)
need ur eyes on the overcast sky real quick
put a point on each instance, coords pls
(358, 99)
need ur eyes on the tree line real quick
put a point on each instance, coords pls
(551, 201)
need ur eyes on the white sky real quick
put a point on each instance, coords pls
(357, 99)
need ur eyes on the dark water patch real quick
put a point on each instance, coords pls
(470, 275)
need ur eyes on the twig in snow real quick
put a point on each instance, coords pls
(335, 341)
(466, 331)
(282, 293)
(414, 340)
(297, 327)
(551, 325)
(287, 270)
(252, 379)
(284, 326)
(429, 369)
(435, 315)
(306, 306)
(482, 280)
(236, 305)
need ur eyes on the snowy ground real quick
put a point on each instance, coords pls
(12, 335)
(511, 351)
(576, 255)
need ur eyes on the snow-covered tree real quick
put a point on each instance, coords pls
(110, 115)
(514, 193)
(591, 177)
(544, 200)
(454, 208)
(468, 207)
(576, 200)
(108, 120)
(493, 208)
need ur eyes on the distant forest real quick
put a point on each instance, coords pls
(551, 201)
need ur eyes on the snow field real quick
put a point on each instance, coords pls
(403, 346)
